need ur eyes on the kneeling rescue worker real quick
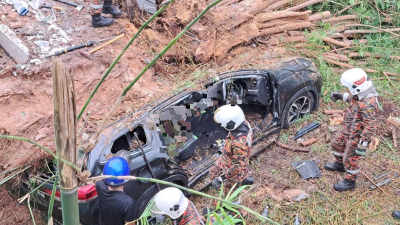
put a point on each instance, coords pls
(233, 165)
(173, 203)
(358, 126)
(115, 207)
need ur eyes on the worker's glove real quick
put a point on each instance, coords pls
(336, 96)
(361, 148)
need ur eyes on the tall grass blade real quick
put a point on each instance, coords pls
(30, 210)
(51, 204)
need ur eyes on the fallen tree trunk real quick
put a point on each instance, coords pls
(335, 42)
(319, 16)
(338, 56)
(303, 5)
(367, 54)
(293, 148)
(264, 17)
(345, 65)
(286, 27)
(340, 18)
(360, 42)
(369, 31)
(278, 4)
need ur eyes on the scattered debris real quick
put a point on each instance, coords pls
(370, 180)
(78, 7)
(384, 175)
(300, 140)
(374, 143)
(394, 137)
(387, 181)
(308, 142)
(14, 46)
(332, 111)
(297, 219)
(335, 120)
(266, 211)
(393, 120)
(293, 148)
(16, 25)
(307, 169)
(288, 195)
(307, 129)
(295, 195)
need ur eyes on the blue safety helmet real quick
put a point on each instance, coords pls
(116, 166)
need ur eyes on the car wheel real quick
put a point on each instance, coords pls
(297, 107)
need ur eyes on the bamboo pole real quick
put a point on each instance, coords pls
(120, 55)
(260, 217)
(108, 116)
(65, 138)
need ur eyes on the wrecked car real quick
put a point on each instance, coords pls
(180, 138)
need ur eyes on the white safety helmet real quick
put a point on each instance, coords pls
(356, 80)
(230, 117)
(170, 201)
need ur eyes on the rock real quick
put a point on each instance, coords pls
(336, 120)
(333, 129)
(295, 195)
(40, 136)
(42, 43)
(16, 25)
(374, 144)
(85, 137)
(300, 140)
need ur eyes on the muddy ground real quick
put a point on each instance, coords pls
(27, 106)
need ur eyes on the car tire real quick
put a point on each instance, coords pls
(301, 104)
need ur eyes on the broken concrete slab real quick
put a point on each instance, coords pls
(13, 45)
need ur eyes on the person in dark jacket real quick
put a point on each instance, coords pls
(115, 207)
(350, 143)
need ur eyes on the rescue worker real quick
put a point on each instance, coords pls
(396, 214)
(106, 7)
(173, 203)
(358, 126)
(115, 207)
(233, 165)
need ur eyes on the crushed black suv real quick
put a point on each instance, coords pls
(272, 99)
